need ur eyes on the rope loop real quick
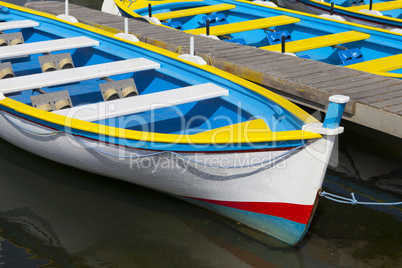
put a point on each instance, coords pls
(353, 200)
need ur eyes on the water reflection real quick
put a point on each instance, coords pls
(77, 219)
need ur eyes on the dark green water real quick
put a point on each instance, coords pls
(56, 216)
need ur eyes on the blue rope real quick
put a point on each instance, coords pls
(353, 201)
(27, 130)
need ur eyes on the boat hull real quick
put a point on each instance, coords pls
(356, 17)
(272, 190)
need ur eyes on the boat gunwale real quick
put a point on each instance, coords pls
(160, 137)
(348, 11)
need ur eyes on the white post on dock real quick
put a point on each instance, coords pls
(126, 35)
(65, 16)
(192, 46)
(191, 57)
(66, 8)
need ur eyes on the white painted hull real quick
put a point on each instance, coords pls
(294, 178)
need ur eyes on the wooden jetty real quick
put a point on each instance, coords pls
(376, 101)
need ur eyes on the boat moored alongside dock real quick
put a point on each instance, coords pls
(118, 107)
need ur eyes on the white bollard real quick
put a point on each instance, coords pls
(66, 8)
(192, 46)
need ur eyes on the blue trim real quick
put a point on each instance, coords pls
(284, 230)
(334, 115)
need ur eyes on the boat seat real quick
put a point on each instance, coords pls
(383, 6)
(350, 56)
(193, 11)
(275, 38)
(52, 101)
(6, 70)
(385, 64)
(215, 19)
(320, 41)
(46, 46)
(18, 24)
(142, 103)
(7, 39)
(53, 62)
(174, 24)
(246, 25)
(41, 80)
(239, 41)
(118, 89)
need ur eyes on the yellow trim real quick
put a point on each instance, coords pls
(320, 41)
(128, 7)
(158, 137)
(385, 64)
(247, 132)
(326, 4)
(246, 25)
(193, 11)
(378, 6)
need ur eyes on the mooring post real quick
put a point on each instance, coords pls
(192, 46)
(283, 43)
(207, 22)
(150, 10)
(66, 8)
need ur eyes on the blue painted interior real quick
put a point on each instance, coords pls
(379, 45)
(241, 105)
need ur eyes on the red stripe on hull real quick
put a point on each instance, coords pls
(293, 212)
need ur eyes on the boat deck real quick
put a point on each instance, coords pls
(376, 101)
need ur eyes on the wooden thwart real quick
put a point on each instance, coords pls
(320, 41)
(142, 103)
(19, 24)
(9, 52)
(246, 25)
(66, 76)
(193, 11)
(379, 65)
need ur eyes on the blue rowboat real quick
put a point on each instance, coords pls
(114, 106)
(377, 13)
(276, 29)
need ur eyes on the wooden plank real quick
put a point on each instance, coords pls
(318, 42)
(356, 89)
(377, 89)
(382, 97)
(388, 103)
(300, 71)
(246, 25)
(396, 109)
(354, 84)
(193, 11)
